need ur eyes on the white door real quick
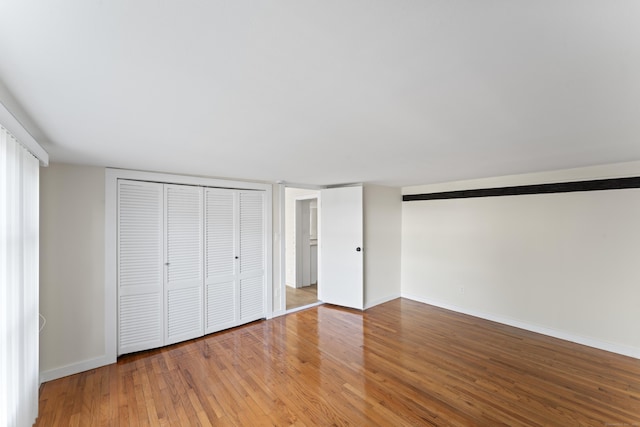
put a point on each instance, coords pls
(140, 266)
(183, 263)
(221, 259)
(340, 275)
(252, 256)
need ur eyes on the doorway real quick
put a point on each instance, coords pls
(301, 247)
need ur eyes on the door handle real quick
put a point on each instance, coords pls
(358, 249)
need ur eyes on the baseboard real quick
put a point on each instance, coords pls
(277, 313)
(303, 307)
(566, 336)
(75, 368)
(381, 301)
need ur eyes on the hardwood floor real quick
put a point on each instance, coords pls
(299, 297)
(399, 363)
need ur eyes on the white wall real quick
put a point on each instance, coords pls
(290, 230)
(561, 264)
(71, 267)
(382, 243)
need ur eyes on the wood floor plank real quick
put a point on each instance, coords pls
(401, 363)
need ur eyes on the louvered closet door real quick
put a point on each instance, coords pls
(221, 283)
(184, 263)
(140, 269)
(252, 269)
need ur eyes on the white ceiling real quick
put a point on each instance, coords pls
(397, 92)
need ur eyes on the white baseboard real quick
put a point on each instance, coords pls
(590, 342)
(381, 301)
(277, 313)
(75, 368)
(303, 307)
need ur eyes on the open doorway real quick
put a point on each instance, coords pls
(301, 247)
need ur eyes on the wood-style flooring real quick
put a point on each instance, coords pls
(299, 297)
(397, 364)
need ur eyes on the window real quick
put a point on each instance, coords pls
(19, 204)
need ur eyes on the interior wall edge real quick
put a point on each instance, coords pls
(379, 301)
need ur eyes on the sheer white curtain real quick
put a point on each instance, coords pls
(19, 204)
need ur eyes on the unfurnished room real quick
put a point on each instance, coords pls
(319, 213)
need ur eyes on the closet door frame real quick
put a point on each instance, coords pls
(111, 212)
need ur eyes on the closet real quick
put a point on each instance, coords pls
(190, 261)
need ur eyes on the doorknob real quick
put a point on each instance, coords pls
(358, 249)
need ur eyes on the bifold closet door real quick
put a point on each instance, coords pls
(221, 259)
(140, 266)
(234, 258)
(252, 269)
(190, 262)
(183, 263)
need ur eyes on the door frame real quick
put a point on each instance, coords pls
(299, 211)
(110, 269)
(280, 289)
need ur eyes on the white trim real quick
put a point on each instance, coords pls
(168, 178)
(74, 368)
(307, 197)
(381, 301)
(352, 184)
(566, 336)
(268, 274)
(278, 313)
(22, 135)
(110, 283)
(302, 186)
(282, 290)
(303, 307)
(110, 259)
(319, 225)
